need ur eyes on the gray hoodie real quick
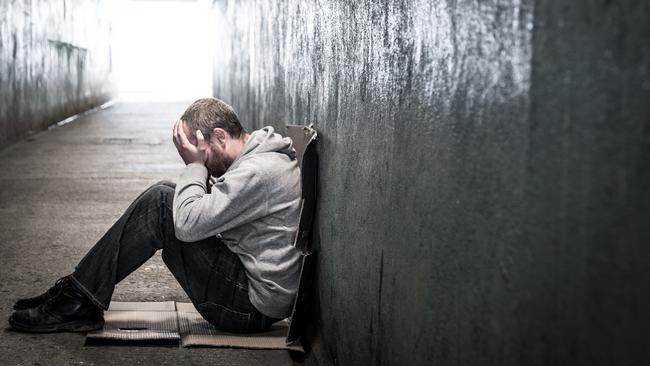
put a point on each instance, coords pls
(254, 209)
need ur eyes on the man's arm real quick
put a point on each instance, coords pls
(238, 197)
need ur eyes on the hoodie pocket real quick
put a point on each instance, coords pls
(225, 319)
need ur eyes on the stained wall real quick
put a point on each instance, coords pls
(54, 62)
(484, 191)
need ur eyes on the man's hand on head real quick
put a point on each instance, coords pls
(189, 152)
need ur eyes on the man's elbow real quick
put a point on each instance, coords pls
(188, 235)
(182, 232)
(188, 227)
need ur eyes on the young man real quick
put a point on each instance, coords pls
(226, 231)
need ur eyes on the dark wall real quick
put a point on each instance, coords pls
(54, 62)
(484, 191)
(587, 184)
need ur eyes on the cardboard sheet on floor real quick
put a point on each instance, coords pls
(169, 323)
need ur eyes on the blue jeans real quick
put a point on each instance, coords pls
(212, 276)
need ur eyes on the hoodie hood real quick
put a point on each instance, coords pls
(266, 140)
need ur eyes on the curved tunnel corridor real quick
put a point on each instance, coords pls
(483, 189)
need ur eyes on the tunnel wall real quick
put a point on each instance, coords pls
(54, 62)
(587, 184)
(483, 193)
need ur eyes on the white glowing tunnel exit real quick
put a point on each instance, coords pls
(161, 49)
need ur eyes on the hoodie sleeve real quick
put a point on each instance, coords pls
(236, 198)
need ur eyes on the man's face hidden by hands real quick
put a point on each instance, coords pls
(217, 161)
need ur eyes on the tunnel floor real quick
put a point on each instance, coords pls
(60, 190)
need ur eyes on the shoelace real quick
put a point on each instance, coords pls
(58, 287)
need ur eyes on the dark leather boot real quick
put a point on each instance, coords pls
(33, 302)
(69, 310)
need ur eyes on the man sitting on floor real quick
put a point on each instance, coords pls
(226, 230)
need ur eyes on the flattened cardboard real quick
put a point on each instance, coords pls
(153, 322)
(196, 331)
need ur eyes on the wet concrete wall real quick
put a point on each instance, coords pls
(54, 62)
(484, 191)
(587, 184)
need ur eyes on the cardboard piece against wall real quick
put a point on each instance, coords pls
(304, 138)
(176, 323)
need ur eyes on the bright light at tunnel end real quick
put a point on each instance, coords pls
(161, 49)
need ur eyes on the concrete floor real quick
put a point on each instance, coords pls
(60, 190)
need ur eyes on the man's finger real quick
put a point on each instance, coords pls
(199, 137)
(179, 129)
(175, 133)
(181, 135)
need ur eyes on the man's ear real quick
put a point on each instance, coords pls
(220, 135)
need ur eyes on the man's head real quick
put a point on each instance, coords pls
(221, 129)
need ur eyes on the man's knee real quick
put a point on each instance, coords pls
(167, 183)
(163, 187)
(161, 191)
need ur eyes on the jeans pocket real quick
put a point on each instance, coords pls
(225, 319)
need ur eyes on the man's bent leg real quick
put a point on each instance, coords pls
(129, 243)
(211, 275)
(74, 304)
(215, 280)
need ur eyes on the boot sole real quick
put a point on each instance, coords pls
(74, 326)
